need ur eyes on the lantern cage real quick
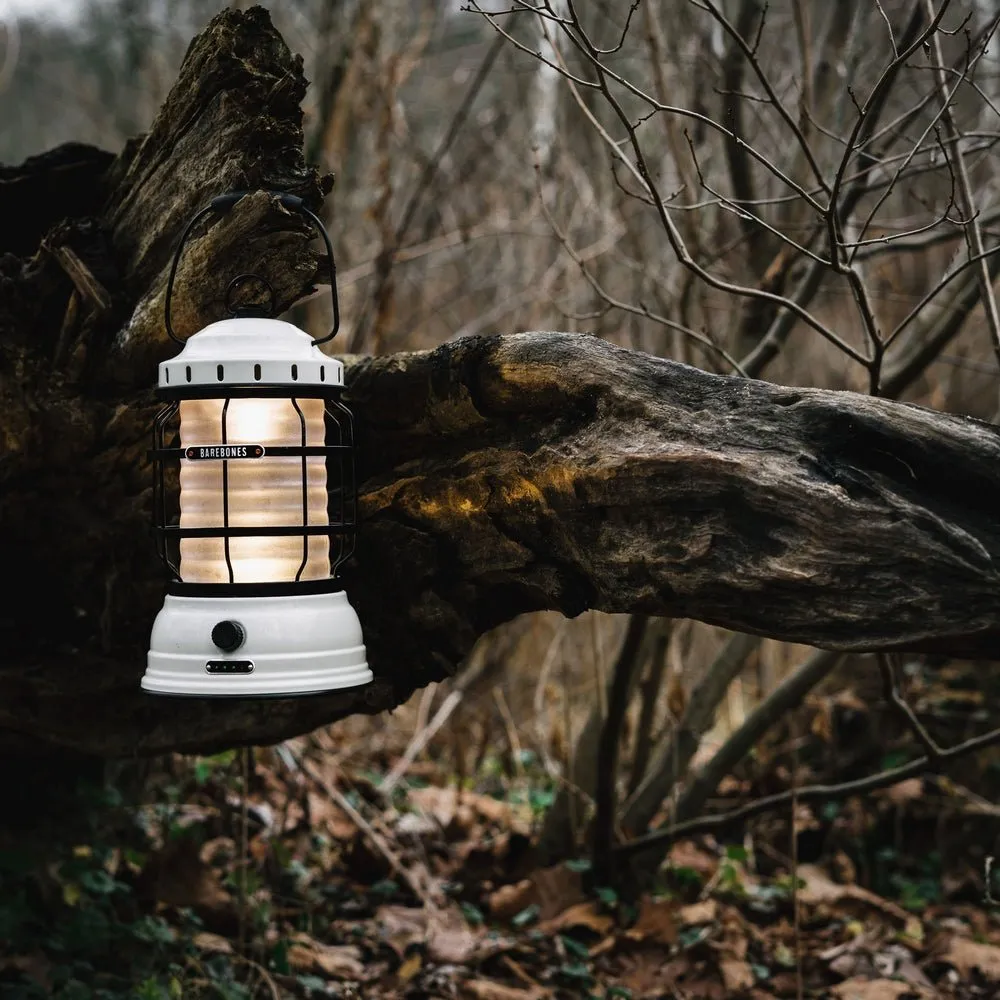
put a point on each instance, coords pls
(255, 510)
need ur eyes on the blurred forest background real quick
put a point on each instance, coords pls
(485, 183)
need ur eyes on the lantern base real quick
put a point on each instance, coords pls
(291, 645)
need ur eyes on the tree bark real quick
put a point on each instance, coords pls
(498, 475)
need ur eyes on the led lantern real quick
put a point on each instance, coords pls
(254, 505)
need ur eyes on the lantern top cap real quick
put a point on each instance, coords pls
(250, 351)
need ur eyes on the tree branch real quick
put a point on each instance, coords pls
(661, 839)
(498, 475)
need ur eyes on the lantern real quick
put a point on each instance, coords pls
(254, 505)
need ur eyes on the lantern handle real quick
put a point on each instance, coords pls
(222, 204)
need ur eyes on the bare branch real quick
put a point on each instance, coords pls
(887, 664)
(641, 171)
(751, 56)
(661, 839)
(676, 749)
(977, 248)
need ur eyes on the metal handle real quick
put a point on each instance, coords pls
(222, 204)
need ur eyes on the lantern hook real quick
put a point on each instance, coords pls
(222, 204)
(250, 310)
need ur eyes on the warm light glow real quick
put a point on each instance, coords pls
(263, 492)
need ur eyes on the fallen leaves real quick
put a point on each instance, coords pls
(585, 915)
(445, 934)
(880, 989)
(305, 954)
(208, 942)
(484, 989)
(737, 975)
(348, 865)
(551, 890)
(967, 956)
(704, 912)
(459, 810)
(179, 876)
(657, 923)
(819, 889)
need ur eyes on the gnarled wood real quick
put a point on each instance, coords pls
(499, 475)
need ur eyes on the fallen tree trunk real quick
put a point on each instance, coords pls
(498, 475)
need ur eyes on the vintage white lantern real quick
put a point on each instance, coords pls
(255, 506)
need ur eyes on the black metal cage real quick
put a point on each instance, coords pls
(168, 452)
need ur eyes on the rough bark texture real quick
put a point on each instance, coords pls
(499, 475)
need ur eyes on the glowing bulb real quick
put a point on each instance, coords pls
(261, 492)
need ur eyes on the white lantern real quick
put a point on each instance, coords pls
(255, 509)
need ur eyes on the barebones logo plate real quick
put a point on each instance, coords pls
(224, 451)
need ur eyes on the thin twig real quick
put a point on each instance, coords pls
(775, 101)
(892, 694)
(675, 751)
(375, 838)
(641, 172)
(786, 696)
(811, 793)
(977, 248)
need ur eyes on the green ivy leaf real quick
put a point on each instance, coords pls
(311, 983)
(153, 930)
(541, 799)
(98, 882)
(577, 972)
(527, 916)
(607, 895)
(574, 947)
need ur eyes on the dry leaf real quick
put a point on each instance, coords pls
(402, 926)
(325, 815)
(706, 989)
(905, 791)
(299, 958)
(685, 854)
(449, 938)
(179, 877)
(410, 967)
(452, 805)
(967, 955)
(206, 941)
(445, 932)
(820, 889)
(440, 803)
(335, 961)
(704, 912)
(844, 868)
(217, 849)
(880, 989)
(736, 974)
(650, 972)
(579, 915)
(483, 989)
(552, 890)
(657, 923)
(417, 825)
(509, 900)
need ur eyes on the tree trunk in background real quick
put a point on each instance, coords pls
(498, 475)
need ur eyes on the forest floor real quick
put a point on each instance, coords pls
(317, 884)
